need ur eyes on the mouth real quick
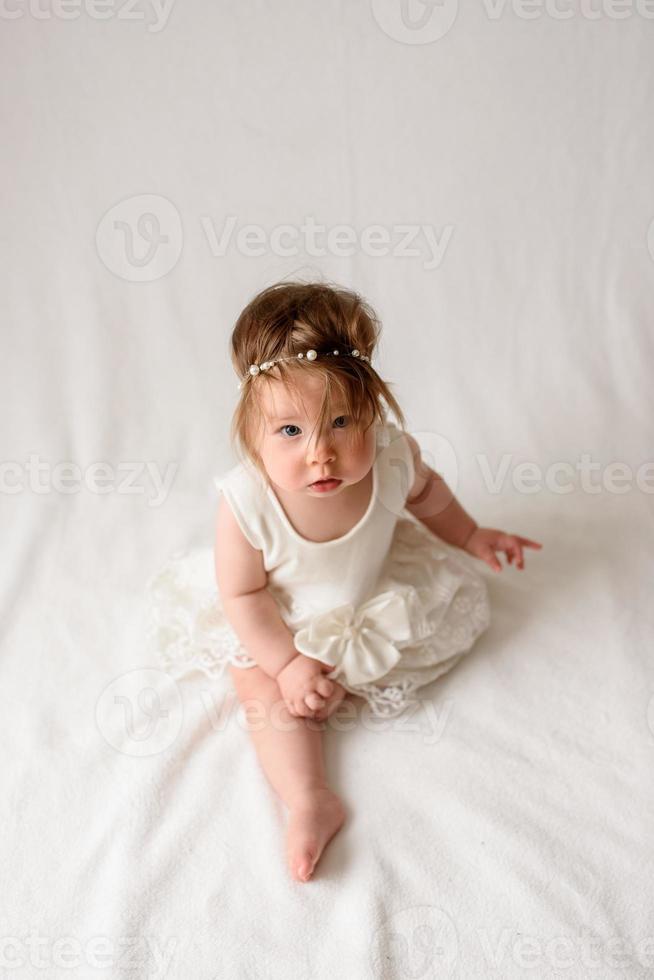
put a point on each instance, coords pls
(324, 485)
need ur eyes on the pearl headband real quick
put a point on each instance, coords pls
(311, 355)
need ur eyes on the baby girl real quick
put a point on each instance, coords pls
(335, 550)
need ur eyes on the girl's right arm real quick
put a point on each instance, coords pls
(248, 605)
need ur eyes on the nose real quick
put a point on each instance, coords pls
(321, 449)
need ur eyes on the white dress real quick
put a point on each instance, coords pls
(389, 605)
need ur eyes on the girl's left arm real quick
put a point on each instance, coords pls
(433, 503)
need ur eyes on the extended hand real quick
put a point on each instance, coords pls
(303, 686)
(485, 541)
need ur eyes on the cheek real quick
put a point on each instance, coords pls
(282, 456)
(368, 453)
(365, 446)
(360, 455)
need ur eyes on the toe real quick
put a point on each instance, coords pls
(304, 870)
(305, 861)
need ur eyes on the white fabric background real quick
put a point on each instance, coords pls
(522, 826)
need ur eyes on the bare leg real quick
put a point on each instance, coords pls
(290, 753)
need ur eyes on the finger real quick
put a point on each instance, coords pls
(301, 709)
(513, 552)
(508, 542)
(321, 715)
(324, 713)
(525, 542)
(490, 558)
(324, 686)
(313, 701)
(334, 702)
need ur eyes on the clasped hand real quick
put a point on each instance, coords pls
(304, 687)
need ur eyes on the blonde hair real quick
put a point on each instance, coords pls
(289, 317)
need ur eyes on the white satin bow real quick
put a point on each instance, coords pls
(361, 642)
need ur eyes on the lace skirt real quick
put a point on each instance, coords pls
(426, 612)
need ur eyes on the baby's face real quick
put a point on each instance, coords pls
(295, 455)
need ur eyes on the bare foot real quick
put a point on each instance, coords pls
(312, 822)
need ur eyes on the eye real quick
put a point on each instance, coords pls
(290, 426)
(339, 419)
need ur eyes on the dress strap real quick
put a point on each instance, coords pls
(245, 498)
(396, 467)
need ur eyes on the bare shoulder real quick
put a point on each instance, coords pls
(239, 567)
